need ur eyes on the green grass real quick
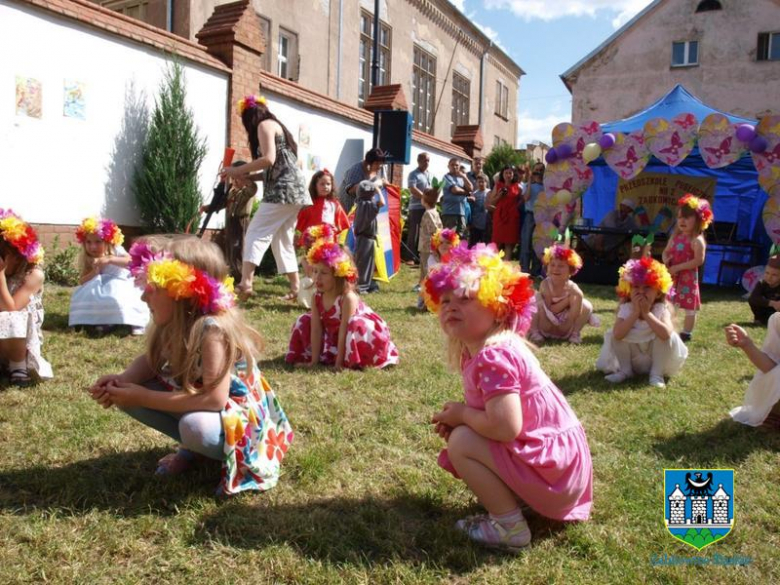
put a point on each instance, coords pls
(361, 499)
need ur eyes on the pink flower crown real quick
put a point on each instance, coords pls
(313, 233)
(700, 206)
(564, 253)
(21, 236)
(105, 229)
(333, 256)
(182, 281)
(480, 273)
(444, 236)
(643, 271)
(250, 101)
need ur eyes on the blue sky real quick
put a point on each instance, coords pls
(546, 37)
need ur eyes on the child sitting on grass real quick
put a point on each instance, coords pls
(643, 339)
(764, 299)
(515, 437)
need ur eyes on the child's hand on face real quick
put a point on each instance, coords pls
(451, 414)
(736, 336)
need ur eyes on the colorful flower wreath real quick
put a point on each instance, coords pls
(700, 206)
(332, 255)
(643, 272)
(250, 101)
(564, 253)
(21, 236)
(311, 234)
(480, 273)
(181, 280)
(105, 229)
(445, 236)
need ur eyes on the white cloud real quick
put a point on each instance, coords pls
(489, 33)
(532, 129)
(623, 10)
(459, 4)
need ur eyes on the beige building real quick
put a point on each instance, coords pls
(451, 73)
(725, 52)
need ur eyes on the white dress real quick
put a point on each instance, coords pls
(640, 339)
(26, 324)
(110, 298)
(764, 389)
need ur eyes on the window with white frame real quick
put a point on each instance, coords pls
(265, 27)
(768, 46)
(461, 90)
(423, 89)
(685, 53)
(287, 56)
(502, 100)
(366, 53)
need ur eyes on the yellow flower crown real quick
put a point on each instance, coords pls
(250, 101)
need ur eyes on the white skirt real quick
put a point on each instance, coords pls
(642, 356)
(111, 298)
(26, 324)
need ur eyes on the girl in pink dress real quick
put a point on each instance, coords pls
(341, 330)
(514, 437)
(684, 254)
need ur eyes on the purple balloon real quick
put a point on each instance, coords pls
(551, 156)
(746, 132)
(607, 141)
(758, 144)
(564, 151)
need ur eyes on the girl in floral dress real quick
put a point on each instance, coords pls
(684, 254)
(21, 301)
(341, 330)
(199, 381)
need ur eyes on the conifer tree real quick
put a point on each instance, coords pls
(165, 183)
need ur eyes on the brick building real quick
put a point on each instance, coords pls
(450, 72)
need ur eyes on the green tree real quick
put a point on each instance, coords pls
(166, 181)
(502, 156)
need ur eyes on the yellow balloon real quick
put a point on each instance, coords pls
(591, 152)
(563, 196)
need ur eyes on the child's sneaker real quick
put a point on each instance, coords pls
(535, 337)
(575, 338)
(617, 377)
(416, 288)
(489, 532)
(137, 331)
(657, 382)
(686, 337)
(19, 377)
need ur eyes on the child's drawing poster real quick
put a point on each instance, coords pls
(304, 137)
(28, 97)
(73, 103)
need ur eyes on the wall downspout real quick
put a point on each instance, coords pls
(482, 82)
(169, 16)
(338, 51)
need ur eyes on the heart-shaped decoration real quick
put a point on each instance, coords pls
(769, 179)
(671, 141)
(769, 128)
(718, 144)
(576, 137)
(571, 174)
(751, 277)
(771, 217)
(545, 208)
(545, 235)
(629, 156)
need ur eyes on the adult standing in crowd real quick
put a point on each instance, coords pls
(477, 168)
(369, 169)
(505, 200)
(528, 261)
(274, 152)
(457, 188)
(419, 180)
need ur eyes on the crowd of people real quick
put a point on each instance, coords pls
(513, 439)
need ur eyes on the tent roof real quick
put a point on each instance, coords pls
(677, 101)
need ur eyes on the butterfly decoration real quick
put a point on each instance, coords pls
(671, 142)
(576, 136)
(769, 128)
(545, 235)
(629, 155)
(752, 277)
(718, 142)
(570, 174)
(771, 217)
(769, 180)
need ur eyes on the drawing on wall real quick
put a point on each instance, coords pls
(28, 97)
(315, 162)
(304, 138)
(73, 102)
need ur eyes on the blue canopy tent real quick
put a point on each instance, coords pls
(738, 197)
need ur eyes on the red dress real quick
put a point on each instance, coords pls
(368, 343)
(323, 210)
(685, 292)
(506, 217)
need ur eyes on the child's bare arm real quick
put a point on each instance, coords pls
(663, 328)
(736, 336)
(502, 419)
(19, 300)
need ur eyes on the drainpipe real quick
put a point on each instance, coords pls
(482, 81)
(338, 51)
(169, 16)
(375, 57)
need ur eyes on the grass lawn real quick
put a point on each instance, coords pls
(361, 499)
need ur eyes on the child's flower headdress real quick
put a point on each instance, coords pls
(181, 280)
(445, 236)
(250, 101)
(700, 206)
(480, 273)
(105, 229)
(332, 255)
(21, 236)
(324, 231)
(562, 252)
(643, 272)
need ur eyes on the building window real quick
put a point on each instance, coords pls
(367, 52)
(502, 100)
(707, 5)
(685, 53)
(423, 89)
(497, 141)
(131, 8)
(461, 90)
(768, 47)
(265, 27)
(287, 57)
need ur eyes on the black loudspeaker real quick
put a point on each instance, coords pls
(393, 134)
